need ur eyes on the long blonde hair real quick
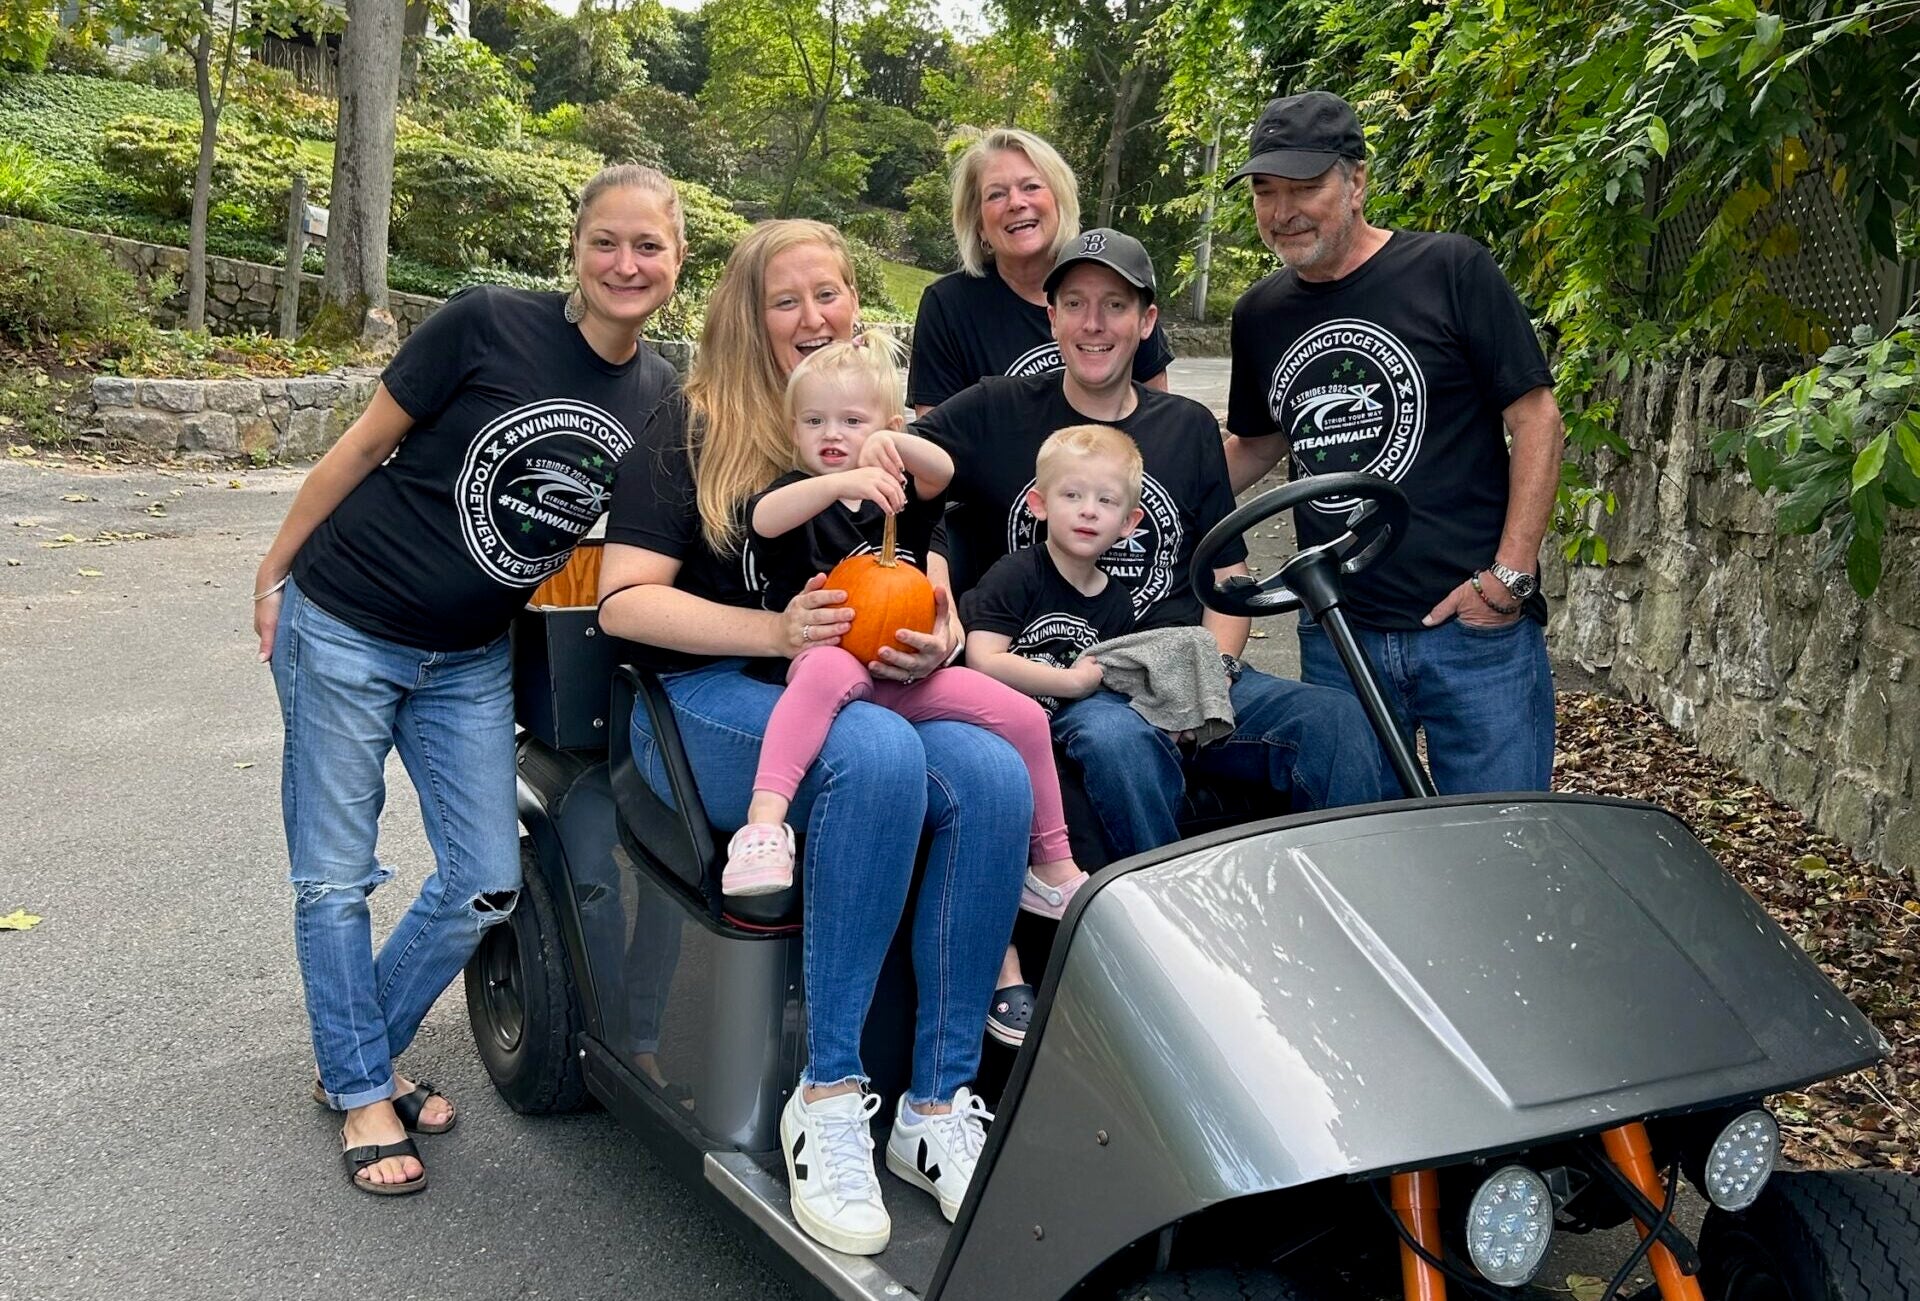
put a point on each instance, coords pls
(964, 182)
(738, 438)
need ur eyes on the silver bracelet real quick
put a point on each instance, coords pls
(261, 596)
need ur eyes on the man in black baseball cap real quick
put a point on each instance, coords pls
(1405, 354)
(1118, 252)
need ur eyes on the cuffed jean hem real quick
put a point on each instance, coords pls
(364, 1098)
(807, 1082)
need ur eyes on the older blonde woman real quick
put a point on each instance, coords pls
(673, 577)
(1016, 205)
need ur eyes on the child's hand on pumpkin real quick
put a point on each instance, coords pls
(871, 483)
(882, 450)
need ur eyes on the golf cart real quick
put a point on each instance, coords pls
(1379, 1051)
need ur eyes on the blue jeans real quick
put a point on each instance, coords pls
(348, 698)
(879, 779)
(1483, 695)
(1308, 742)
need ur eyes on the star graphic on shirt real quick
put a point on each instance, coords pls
(1360, 373)
(526, 492)
(596, 461)
(526, 526)
(1343, 367)
(1320, 455)
(1353, 458)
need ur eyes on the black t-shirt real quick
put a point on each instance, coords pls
(1024, 597)
(1400, 369)
(993, 432)
(785, 563)
(518, 427)
(969, 327)
(654, 508)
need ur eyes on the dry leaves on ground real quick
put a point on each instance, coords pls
(1859, 922)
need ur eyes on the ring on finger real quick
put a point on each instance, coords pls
(806, 632)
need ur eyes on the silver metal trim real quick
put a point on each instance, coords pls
(763, 1199)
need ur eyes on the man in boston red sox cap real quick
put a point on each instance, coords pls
(1405, 354)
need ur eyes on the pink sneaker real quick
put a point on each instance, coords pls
(1044, 900)
(759, 859)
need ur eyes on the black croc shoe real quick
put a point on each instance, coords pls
(1010, 1013)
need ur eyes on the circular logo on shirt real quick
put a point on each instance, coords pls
(1349, 396)
(533, 483)
(1036, 361)
(1143, 559)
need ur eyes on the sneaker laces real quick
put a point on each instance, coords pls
(961, 1130)
(846, 1151)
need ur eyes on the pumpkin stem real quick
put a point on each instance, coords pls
(886, 544)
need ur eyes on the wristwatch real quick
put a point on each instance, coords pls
(1232, 665)
(1521, 585)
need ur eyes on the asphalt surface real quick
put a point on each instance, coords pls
(156, 1134)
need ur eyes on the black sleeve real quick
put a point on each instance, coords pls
(653, 496)
(1213, 496)
(1247, 412)
(955, 428)
(917, 524)
(441, 355)
(1000, 601)
(936, 370)
(1501, 345)
(1154, 355)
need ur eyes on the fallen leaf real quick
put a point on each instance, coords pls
(248, 764)
(236, 483)
(26, 523)
(90, 573)
(138, 493)
(157, 511)
(19, 920)
(20, 449)
(1585, 1287)
(76, 496)
(11, 562)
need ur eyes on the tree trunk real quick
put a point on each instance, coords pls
(1125, 93)
(361, 205)
(202, 184)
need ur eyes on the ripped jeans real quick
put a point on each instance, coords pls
(347, 699)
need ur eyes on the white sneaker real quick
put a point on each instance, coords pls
(937, 1153)
(829, 1151)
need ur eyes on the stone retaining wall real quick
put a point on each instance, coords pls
(286, 419)
(1740, 636)
(240, 295)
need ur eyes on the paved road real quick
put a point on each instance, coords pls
(153, 1124)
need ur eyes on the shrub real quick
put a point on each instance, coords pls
(713, 228)
(464, 88)
(886, 231)
(61, 117)
(612, 132)
(930, 223)
(456, 206)
(27, 186)
(55, 285)
(157, 160)
(163, 70)
(870, 276)
(84, 58)
(272, 102)
(694, 145)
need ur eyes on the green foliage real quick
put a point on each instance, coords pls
(465, 89)
(930, 222)
(27, 187)
(899, 148)
(713, 228)
(886, 231)
(1003, 79)
(615, 134)
(73, 52)
(693, 144)
(156, 159)
(870, 278)
(163, 70)
(28, 30)
(1840, 444)
(56, 286)
(272, 102)
(457, 206)
(581, 59)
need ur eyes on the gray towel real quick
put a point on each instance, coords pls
(1173, 677)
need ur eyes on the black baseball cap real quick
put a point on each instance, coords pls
(1121, 253)
(1300, 136)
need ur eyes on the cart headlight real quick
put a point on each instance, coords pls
(1741, 1159)
(1508, 1224)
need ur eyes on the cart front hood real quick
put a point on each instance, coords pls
(1389, 988)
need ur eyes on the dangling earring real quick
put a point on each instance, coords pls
(576, 308)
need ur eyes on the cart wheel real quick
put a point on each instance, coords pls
(520, 1002)
(1223, 1284)
(1824, 1235)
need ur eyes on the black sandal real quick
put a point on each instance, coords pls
(359, 1158)
(407, 1106)
(1010, 1013)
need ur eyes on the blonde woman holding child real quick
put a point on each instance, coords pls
(856, 470)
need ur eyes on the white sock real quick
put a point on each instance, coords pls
(913, 1114)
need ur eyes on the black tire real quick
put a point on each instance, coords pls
(1222, 1284)
(1825, 1235)
(520, 1003)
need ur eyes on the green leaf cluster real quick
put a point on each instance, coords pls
(155, 158)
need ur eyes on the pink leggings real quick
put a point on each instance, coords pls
(825, 679)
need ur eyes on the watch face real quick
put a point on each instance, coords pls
(1522, 586)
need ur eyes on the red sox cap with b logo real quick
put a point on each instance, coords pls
(1120, 253)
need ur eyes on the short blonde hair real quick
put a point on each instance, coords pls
(1084, 442)
(738, 439)
(869, 364)
(965, 185)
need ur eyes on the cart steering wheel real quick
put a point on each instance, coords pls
(1374, 527)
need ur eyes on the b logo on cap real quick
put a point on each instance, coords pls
(1093, 242)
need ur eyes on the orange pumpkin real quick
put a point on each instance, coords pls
(887, 594)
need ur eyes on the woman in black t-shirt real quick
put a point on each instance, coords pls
(488, 450)
(1016, 205)
(674, 576)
